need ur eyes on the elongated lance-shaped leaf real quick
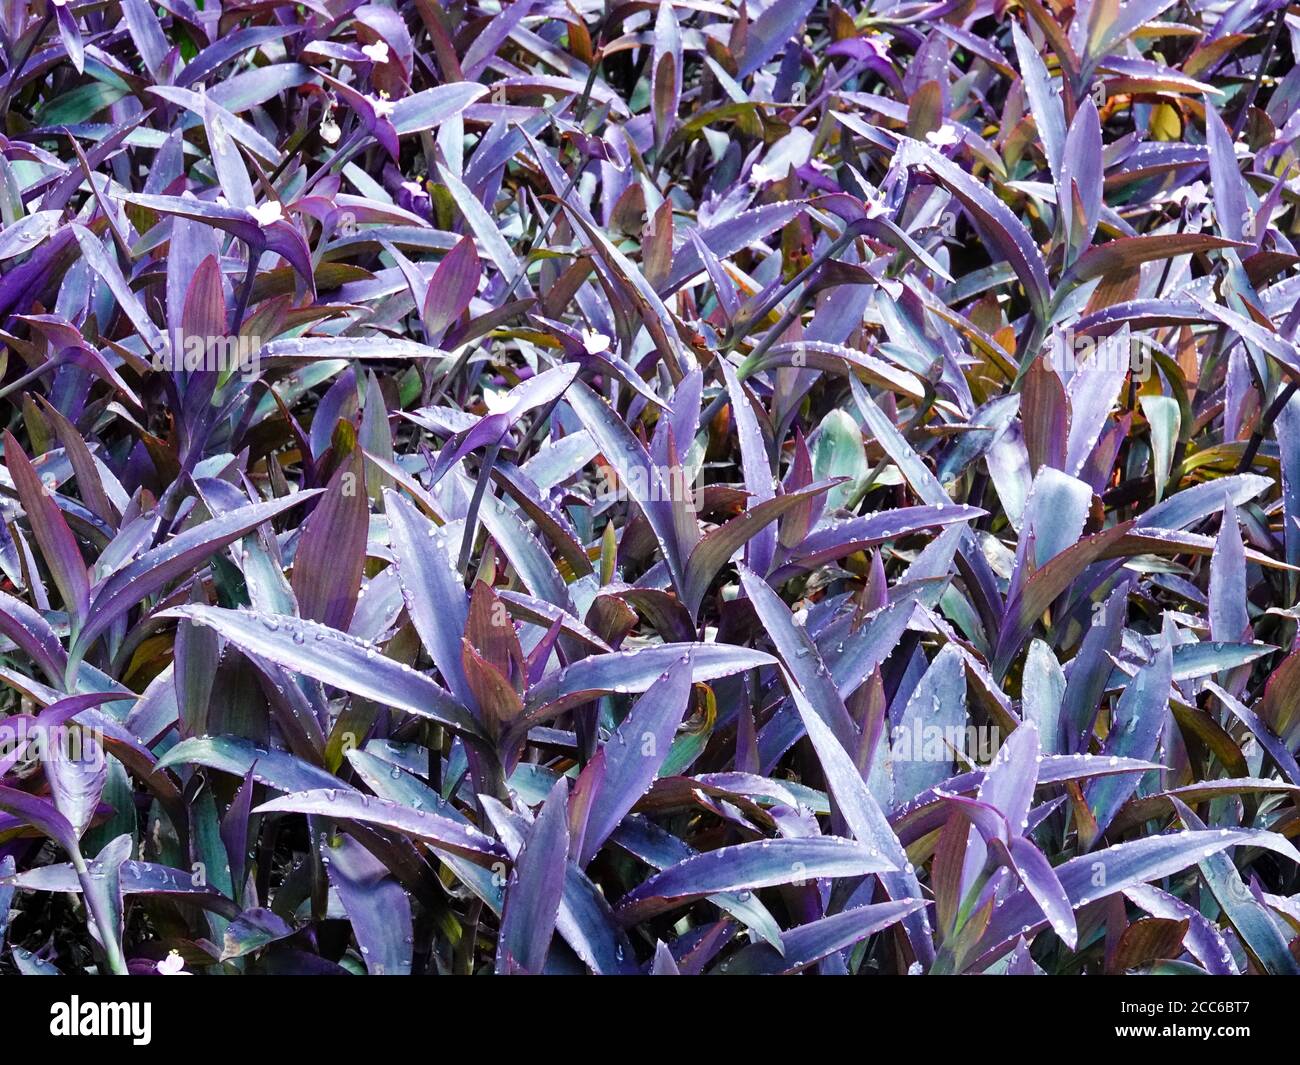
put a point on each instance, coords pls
(428, 109)
(1092, 877)
(42, 815)
(241, 757)
(929, 726)
(1229, 618)
(1036, 874)
(759, 479)
(748, 867)
(1249, 916)
(1029, 603)
(661, 850)
(1136, 725)
(836, 541)
(800, 657)
(320, 349)
(584, 919)
(869, 825)
(631, 672)
(658, 319)
(919, 476)
(451, 288)
(334, 658)
(380, 911)
(726, 237)
(434, 592)
(717, 546)
(1008, 786)
(1044, 99)
(77, 770)
(810, 943)
(535, 888)
(58, 545)
(34, 635)
(628, 761)
(1128, 253)
(397, 785)
(995, 220)
(331, 554)
(432, 828)
(1203, 940)
(770, 31)
(640, 477)
(178, 557)
(1079, 187)
(99, 882)
(1277, 750)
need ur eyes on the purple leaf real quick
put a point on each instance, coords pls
(809, 943)
(334, 658)
(58, 545)
(331, 554)
(535, 888)
(155, 569)
(380, 911)
(628, 761)
(867, 822)
(748, 867)
(431, 828)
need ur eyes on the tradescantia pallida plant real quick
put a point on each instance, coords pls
(674, 488)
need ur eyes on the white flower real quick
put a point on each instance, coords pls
(1190, 195)
(594, 342)
(266, 213)
(413, 187)
(875, 205)
(172, 965)
(329, 130)
(879, 44)
(382, 104)
(497, 402)
(376, 53)
(942, 137)
(792, 150)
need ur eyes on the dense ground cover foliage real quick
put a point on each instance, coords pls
(649, 487)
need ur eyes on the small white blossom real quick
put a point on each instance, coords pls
(329, 130)
(382, 104)
(497, 402)
(942, 137)
(376, 53)
(172, 965)
(878, 44)
(266, 213)
(792, 150)
(594, 342)
(1190, 195)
